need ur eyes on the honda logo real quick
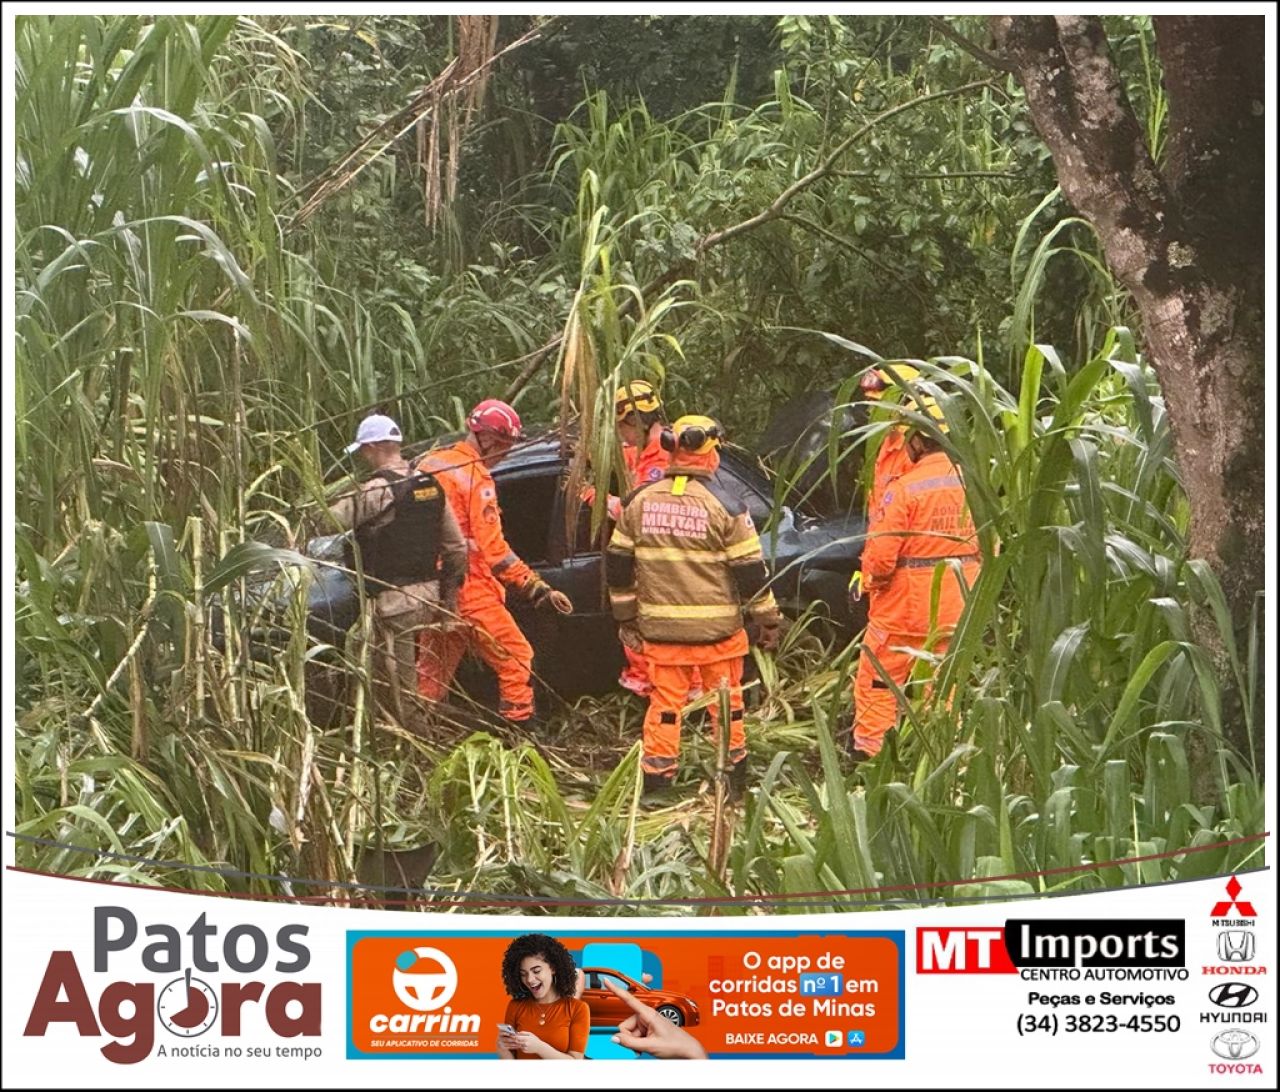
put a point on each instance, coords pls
(1233, 995)
(1235, 946)
(1234, 1045)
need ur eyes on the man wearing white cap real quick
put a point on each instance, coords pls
(408, 545)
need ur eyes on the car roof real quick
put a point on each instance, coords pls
(536, 449)
(608, 970)
(543, 448)
(546, 448)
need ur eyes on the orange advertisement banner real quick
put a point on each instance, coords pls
(736, 994)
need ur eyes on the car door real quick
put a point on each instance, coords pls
(589, 653)
(600, 1001)
(574, 654)
(606, 1008)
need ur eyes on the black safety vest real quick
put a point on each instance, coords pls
(405, 548)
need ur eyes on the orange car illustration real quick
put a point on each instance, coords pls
(608, 1011)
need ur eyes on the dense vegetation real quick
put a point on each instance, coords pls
(747, 208)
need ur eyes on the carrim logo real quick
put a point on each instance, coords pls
(1236, 946)
(1233, 995)
(1234, 1044)
(424, 978)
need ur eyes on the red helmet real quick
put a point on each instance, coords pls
(494, 416)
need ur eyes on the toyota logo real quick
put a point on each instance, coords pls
(1233, 995)
(1234, 1045)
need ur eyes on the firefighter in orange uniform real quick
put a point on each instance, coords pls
(892, 460)
(638, 415)
(463, 471)
(683, 566)
(922, 523)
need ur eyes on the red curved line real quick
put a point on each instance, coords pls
(695, 900)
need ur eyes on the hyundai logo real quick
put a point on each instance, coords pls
(1234, 1045)
(1235, 946)
(1233, 995)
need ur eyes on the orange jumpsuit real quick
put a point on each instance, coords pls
(676, 671)
(644, 467)
(924, 518)
(492, 633)
(892, 461)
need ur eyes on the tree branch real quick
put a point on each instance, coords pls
(840, 240)
(918, 176)
(337, 176)
(972, 48)
(715, 238)
(1105, 167)
(773, 212)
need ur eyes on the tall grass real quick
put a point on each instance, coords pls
(1059, 731)
(187, 369)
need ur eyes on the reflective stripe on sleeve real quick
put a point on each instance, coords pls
(929, 562)
(504, 564)
(661, 610)
(676, 553)
(744, 548)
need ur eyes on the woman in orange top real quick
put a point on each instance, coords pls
(548, 1020)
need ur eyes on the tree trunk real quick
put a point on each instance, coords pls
(1185, 237)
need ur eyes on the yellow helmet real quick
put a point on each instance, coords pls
(635, 396)
(694, 434)
(928, 405)
(878, 380)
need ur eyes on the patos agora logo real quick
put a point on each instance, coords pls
(156, 989)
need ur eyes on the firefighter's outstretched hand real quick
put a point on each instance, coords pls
(769, 632)
(542, 594)
(630, 637)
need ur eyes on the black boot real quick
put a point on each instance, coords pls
(738, 781)
(658, 783)
(855, 755)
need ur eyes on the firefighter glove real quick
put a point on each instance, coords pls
(768, 631)
(855, 586)
(629, 635)
(541, 594)
(560, 602)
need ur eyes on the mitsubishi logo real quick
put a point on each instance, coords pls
(1222, 909)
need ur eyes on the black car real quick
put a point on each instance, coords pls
(810, 557)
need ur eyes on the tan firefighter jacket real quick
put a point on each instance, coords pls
(684, 561)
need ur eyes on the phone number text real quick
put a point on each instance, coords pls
(1051, 1024)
